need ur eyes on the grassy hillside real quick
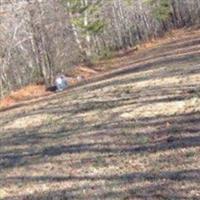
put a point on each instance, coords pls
(132, 133)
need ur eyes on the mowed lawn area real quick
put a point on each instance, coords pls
(130, 133)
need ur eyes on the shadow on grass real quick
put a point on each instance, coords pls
(182, 133)
(160, 62)
(162, 182)
(33, 147)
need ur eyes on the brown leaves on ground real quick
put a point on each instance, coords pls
(26, 93)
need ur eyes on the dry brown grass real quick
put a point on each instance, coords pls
(133, 133)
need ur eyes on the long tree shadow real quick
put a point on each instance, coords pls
(99, 141)
(155, 94)
(117, 181)
(141, 67)
(182, 133)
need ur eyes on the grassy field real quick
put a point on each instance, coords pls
(130, 133)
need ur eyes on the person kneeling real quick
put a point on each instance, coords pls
(61, 83)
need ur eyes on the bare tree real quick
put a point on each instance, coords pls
(39, 38)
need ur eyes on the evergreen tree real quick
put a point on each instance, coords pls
(85, 17)
(161, 9)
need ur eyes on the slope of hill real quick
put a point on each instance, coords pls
(132, 133)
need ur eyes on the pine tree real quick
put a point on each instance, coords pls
(161, 9)
(86, 22)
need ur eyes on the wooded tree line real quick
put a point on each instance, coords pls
(39, 38)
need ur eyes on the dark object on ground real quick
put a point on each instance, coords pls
(60, 84)
(51, 88)
(171, 139)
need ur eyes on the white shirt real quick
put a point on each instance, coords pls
(59, 80)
